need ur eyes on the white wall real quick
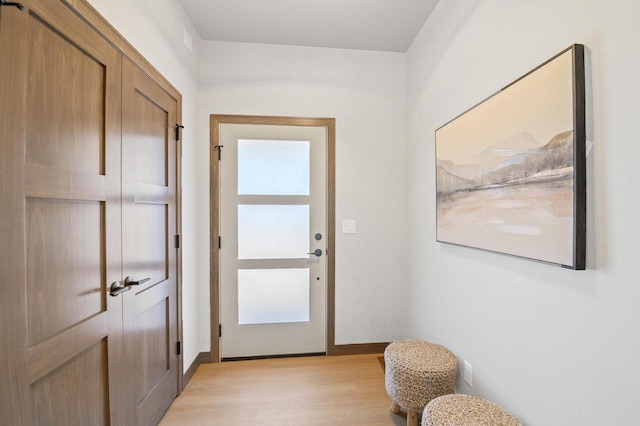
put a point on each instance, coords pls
(364, 91)
(155, 28)
(553, 346)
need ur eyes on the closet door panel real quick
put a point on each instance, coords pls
(149, 256)
(60, 192)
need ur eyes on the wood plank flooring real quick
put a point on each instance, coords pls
(339, 391)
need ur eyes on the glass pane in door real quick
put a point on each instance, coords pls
(268, 231)
(273, 167)
(273, 295)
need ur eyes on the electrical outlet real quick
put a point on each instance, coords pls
(468, 374)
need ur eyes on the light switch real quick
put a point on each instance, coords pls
(348, 226)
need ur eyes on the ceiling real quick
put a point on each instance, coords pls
(384, 25)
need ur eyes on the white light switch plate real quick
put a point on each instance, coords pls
(348, 226)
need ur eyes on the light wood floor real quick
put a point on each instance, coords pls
(339, 391)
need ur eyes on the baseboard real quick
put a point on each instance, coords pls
(202, 358)
(253, 358)
(360, 348)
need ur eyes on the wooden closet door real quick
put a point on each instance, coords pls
(149, 254)
(60, 220)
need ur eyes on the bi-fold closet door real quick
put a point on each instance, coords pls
(88, 193)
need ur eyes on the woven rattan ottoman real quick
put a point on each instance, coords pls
(465, 410)
(417, 372)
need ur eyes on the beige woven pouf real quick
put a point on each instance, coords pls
(465, 410)
(417, 372)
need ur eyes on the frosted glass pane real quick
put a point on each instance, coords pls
(273, 167)
(273, 231)
(273, 296)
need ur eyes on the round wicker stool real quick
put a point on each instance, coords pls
(465, 410)
(417, 372)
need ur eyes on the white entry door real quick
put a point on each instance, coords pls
(273, 226)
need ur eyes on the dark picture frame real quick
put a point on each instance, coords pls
(511, 171)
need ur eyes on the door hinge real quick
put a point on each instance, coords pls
(176, 241)
(178, 127)
(178, 348)
(219, 330)
(219, 242)
(219, 149)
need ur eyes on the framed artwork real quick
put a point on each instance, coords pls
(511, 172)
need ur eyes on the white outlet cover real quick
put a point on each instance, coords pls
(468, 374)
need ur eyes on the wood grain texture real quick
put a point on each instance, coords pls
(331, 236)
(149, 224)
(345, 391)
(152, 346)
(214, 251)
(59, 98)
(89, 404)
(88, 13)
(50, 182)
(178, 199)
(62, 205)
(62, 101)
(15, 392)
(360, 348)
(412, 418)
(214, 128)
(55, 352)
(65, 264)
(85, 11)
(150, 123)
(201, 358)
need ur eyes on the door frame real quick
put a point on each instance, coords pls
(214, 215)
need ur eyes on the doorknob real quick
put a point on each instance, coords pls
(117, 288)
(316, 252)
(129, 281)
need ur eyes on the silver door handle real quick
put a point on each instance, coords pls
(130, 281)
(117, 288)
(316, 252)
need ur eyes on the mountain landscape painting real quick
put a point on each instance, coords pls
(510, 171)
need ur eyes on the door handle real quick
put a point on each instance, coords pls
(117, 288)
(129, 281)
(316, 252)
(8, 3)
